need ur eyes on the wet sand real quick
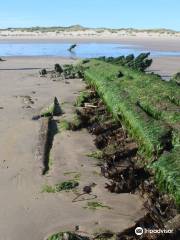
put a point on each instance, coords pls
(149, 43)
(26, 212)
(165, 66)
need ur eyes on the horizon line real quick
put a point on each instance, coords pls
(83, 27)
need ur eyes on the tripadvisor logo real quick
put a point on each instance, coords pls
(140, 231)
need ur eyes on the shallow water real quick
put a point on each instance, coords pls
(83, 50)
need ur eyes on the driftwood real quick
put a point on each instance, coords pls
(42, 155)
(89, 105)
(72, 47)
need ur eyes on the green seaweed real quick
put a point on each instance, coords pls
(67, 235)
(62, 186)
(149, 109)
(83, 96)
(64, 125)
(76, 123)
(139, 63)
(52, 109)
(98, 154)
(94, 205)
(77, 176)
(70, 173)
(50, 162)
(66, 185)
(167, 173)
(140, 103)
(48, 189)
(176, 78)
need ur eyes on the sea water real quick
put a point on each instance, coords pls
(83, 50)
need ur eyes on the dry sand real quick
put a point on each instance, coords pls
(26, 212)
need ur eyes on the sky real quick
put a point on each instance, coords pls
(91, 13)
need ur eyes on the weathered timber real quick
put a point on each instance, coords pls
(43, 148)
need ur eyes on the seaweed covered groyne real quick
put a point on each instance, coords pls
(149, 109)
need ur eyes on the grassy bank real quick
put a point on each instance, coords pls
(149, 108)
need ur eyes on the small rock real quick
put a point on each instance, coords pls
(43, 72)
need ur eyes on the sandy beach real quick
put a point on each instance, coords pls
(143, 40)
(26, 212)
(89, 120)
(162, 40)
(165, 66)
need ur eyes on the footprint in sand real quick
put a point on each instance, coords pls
(27, 101)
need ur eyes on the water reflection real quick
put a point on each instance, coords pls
(83, 50)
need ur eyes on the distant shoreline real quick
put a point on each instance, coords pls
(78, 27)
(155, 39)
(150, 43)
